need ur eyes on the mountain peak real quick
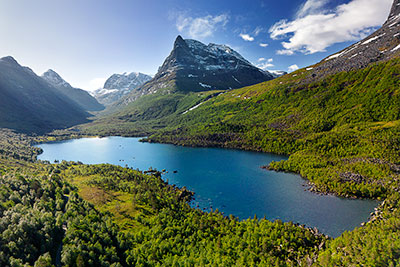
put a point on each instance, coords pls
(179, 39)
(194, 66)
(54, 78)
(9, 59)
(193, 55)
(394, 15)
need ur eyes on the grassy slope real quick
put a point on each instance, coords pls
(146, 115)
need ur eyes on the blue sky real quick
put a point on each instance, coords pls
(87, 41)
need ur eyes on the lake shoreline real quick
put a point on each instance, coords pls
(199, 193)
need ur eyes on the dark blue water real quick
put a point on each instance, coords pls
(228, 180)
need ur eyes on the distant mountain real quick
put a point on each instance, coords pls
(193, 66)
(30, 104)
(81, 97)
(381, 45)
(119, 85)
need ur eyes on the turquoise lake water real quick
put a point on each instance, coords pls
(228, 180)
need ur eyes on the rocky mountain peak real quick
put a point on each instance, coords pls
(79, 96)
(394, 15)
(9, 59)
(179, 41)
(193, 66)
(188, 54)
(54, 78)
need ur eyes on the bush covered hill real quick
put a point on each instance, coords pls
(71, 214)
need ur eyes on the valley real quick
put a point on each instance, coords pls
(70, 195)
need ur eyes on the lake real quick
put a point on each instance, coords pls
(224, 179)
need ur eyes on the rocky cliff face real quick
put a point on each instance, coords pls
(119, 85)
(194, 66)
(382, 45)
(81, 97)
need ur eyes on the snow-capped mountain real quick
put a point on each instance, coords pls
(54, 78)
(194, 66)
(81, 97)
(381, 45)
(119, 85)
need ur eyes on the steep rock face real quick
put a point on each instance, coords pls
(119, 85)
(81, 97)
(30, 104)
(383, 44)
(194, 66)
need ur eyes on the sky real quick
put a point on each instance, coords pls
(86, 41)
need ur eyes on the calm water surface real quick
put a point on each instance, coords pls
(230, 180)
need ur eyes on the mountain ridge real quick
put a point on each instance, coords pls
(80, 96)
(30, 104)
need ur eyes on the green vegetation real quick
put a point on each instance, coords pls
(147, 115)
(124, 217)
(341, 132)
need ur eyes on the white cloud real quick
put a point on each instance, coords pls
(265, 63)
(258, 30)
(95, 84)
(264, 59)
(263, 44)
(284, 52)
(247, 37)
(311, 7)
(293, 67)
(201, 27)
(316, 28)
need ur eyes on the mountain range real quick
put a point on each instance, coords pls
(29, 103)
(119, 85)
